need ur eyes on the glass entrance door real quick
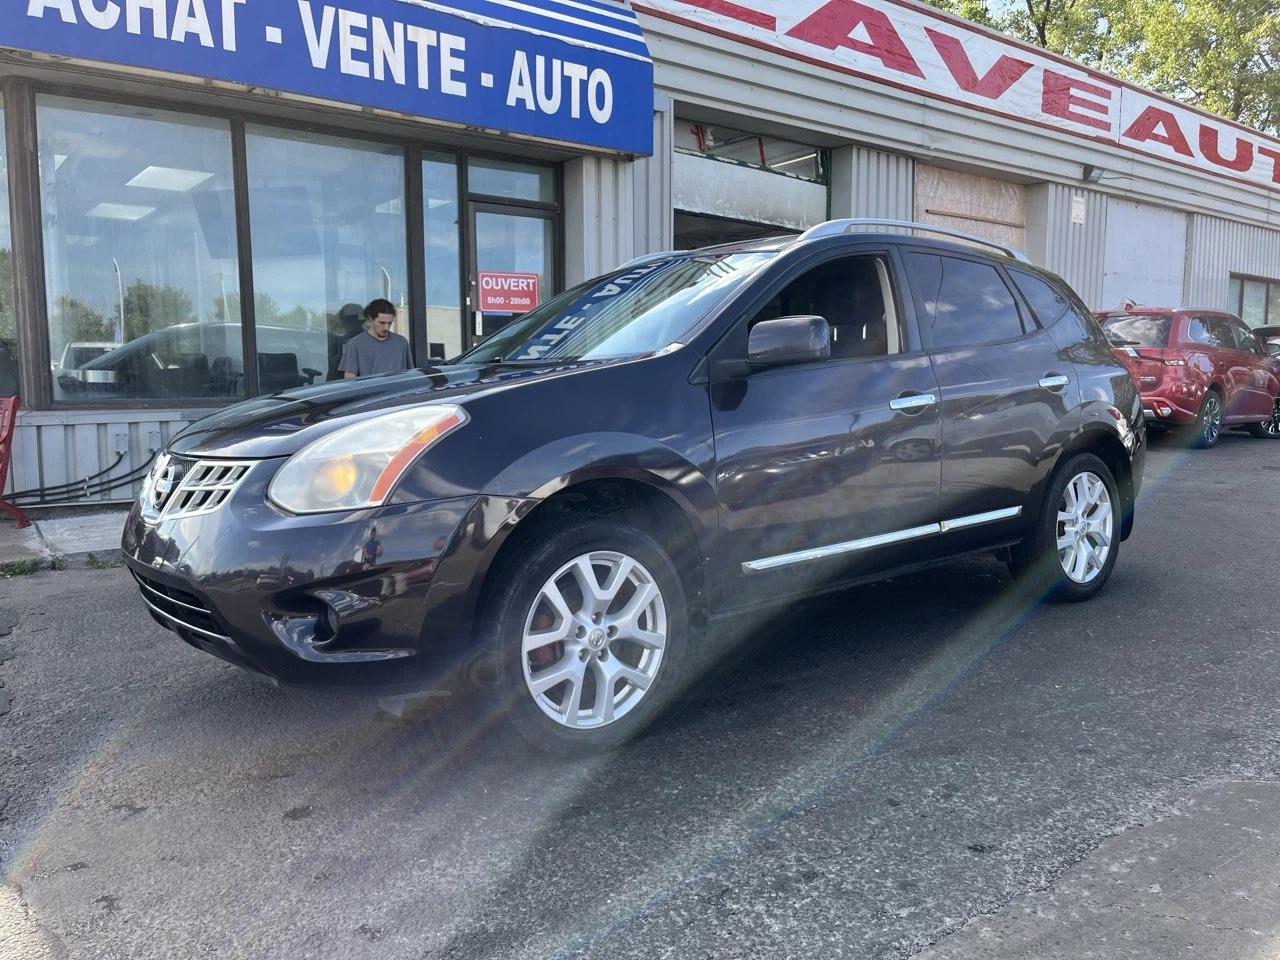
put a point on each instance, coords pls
(513, 264)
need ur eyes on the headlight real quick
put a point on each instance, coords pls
(358, 466)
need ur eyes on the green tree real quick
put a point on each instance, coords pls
(149, 306)
(77, 321)
(265, 309)
(1219, 55)
(8, 319)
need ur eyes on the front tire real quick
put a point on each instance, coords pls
(1073, 546)
(587, 631)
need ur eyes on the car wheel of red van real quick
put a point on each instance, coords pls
(1268, 429)
(587, 631)
(1208, 426)
(1072, 548)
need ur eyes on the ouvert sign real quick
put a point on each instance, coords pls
(913, 48)
(576, 72)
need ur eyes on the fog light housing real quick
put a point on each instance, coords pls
(1163, 410)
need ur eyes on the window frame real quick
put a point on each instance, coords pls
(1026, 317)
(27, 227)
(728, 353)
(1236, 308)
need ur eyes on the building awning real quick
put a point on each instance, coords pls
(567, 71)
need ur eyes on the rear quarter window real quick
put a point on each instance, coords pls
(1045, 300)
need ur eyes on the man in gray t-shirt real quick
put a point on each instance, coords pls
(376, 350)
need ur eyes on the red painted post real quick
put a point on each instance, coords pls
(9, 423)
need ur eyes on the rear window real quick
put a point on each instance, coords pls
(1150, 331)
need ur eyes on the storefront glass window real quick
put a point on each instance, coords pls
(756, 150)
(515, 263)
(140, 253)
(328, 228)
(9, 382)
(513, 181)
(444, 267)
(1234, 290)
(1253, 309)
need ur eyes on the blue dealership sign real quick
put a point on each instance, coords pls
(576, 71)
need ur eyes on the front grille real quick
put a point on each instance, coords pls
(178, 608)
(181, 487)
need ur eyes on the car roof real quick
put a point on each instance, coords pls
(784, 242)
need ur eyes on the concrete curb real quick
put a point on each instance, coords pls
(85, 541)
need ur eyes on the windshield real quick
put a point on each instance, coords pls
(624, 314)
(1148, 331)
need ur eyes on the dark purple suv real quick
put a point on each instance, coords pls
(564, 512)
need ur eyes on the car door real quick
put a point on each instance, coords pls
(1261, 388)
(829, 470)
(1008, 396)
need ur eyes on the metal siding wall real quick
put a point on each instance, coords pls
(872, 183)
(1216, 248)
(1076, 252)
(52, 448)
(599, 216)
(654, 206)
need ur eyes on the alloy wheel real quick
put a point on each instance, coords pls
(1086, 524)
(1211, 417)
(1272, 426)
(594, 639)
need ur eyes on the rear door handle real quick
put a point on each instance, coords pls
(915, 403)
(1054, 382)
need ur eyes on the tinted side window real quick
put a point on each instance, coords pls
(1046, 301)
(1211, 332)
(964, 302)
(854, 296)
(1245, 340)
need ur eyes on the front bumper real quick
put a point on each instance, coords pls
(376, 600)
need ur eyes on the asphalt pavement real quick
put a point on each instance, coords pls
(934, 766)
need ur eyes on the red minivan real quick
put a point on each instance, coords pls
(1198, 367)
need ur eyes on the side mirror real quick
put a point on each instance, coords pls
(789, 340)
(1273, 349)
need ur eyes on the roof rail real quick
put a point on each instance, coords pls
(835, 228)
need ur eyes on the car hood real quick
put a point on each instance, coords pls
(281, 424)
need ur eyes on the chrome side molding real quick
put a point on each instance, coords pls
(880, 540)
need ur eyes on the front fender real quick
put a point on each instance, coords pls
(563, 463)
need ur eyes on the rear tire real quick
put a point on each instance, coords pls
(594, 602)
(1073, 546)
(1268, 429)
(1208, 425)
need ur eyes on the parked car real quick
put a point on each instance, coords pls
(75, 355)
(194, 360)
(567, 511)
(1198, 368)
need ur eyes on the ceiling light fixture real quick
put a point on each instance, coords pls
(121, 211)
(173, 179)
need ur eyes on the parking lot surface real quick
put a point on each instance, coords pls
(875, 770)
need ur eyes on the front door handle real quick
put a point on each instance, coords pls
(913, 403)
(1054, 382)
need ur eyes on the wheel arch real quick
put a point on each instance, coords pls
(644, 501)
(1110, 449)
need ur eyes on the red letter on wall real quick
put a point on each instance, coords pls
(1003, 74)
(1159, 126)
(831, 26)
(1273, 156)
(1209, 146)
(1060, 100)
